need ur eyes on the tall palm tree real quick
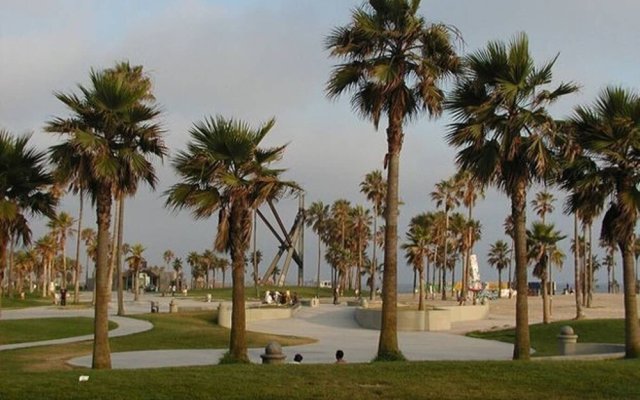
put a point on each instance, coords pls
(374, 187)
(168, 256)
(136, 261)
(542, 240)
(470, 190)
(316, 217)
(393, 63)
(499, 258)
(177, 267)
(46, 247)
(88, 236)
(23, 184)
(543, 204)
(111, 134)
(224, 170)
(609, 133)
(360, 222)
(447, 195)
(505, 134)
(61, 227)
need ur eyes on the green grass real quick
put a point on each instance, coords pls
(194, 330)
(544, 336)
(402, 380)
(32, 330)
(31, 300)
(42, 373)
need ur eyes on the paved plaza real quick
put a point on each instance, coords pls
(332, 326)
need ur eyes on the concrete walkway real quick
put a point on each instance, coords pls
(334, 327)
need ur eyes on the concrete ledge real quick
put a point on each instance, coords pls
(439, 319)
(467, 313)
(254, 314)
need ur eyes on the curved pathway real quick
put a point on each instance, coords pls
(126, 326)
(334, 327)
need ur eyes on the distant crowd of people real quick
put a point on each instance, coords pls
(275, 297)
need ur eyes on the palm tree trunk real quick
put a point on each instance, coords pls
(3, 264)
(240, 221)
(421, 290)
(318, 274)
(388, 348)
(255, 256)
(513, 246)
(444, 253)
(521, 349)
(118, 260)
(10, 268)
(101, 350)
(76, 276)
(374, 262)
(499, 282)
(576, 268)
(545, 297)
(590, 270)
(631, 325)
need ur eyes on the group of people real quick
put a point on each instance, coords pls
(275, 297)
(297, 359)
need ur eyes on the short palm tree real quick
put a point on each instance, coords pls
(609, 133)
(417, 248)
(505, 135)
(110, 138)
(136, 261)
(62, 227)
(23, 184)
(499, 258)
(223, 169)
(394, 62)
(374, 187)
(542, 241)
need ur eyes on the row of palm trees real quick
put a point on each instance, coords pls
(393, 63)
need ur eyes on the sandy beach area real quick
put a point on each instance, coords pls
(502, 311)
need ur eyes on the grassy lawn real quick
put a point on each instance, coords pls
(195, 330)
(543, 336)
(42, 373)
(32, 330)
(419, 380)
(30, 301)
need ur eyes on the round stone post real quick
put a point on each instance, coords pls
(567, 341)
(273, 354)
(173, 307)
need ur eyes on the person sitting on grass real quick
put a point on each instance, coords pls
(340, 357)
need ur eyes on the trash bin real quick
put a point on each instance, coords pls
(63, 297)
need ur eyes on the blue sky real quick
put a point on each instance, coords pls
(257, 59)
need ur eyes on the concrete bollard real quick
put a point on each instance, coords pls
(567, 340)
(173, 307)
(273, 354)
